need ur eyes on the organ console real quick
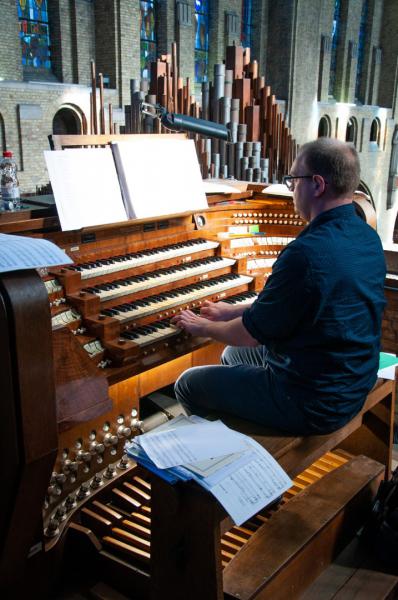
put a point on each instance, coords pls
(104, 323)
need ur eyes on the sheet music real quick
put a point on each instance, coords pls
(249, 489)
(86, 187)
(159, 176)
(20, 252)
(190, 444)
(244, 480)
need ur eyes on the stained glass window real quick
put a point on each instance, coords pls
(361, 46)
(148, 36)
(247, 23)
(34, 33)
(335, 41)
(201, 40)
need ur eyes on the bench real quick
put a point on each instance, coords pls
(292, 548)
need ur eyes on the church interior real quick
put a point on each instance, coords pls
(88, 349)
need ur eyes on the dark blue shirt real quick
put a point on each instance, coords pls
(319, 315)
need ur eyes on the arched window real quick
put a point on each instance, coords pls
(247, 23)
(375, 131)
(335, 40)
(69, 121)
(324, 127)
(201, 40)
(351, 131)
(34, 33)
(148, 36)
(361, 46)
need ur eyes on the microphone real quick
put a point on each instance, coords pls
(177, 122)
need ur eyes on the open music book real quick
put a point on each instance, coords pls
(131, 180)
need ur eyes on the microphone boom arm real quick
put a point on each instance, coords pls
(177, 122)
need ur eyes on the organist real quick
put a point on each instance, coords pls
(304, 355)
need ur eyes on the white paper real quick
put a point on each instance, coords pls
(252, 487)
(214, 186)
(86, 187)
(277, 189)
(184, 445)
(20, 252)
(159, 176)
(387, 373)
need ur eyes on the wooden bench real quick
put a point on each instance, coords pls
(292, 548)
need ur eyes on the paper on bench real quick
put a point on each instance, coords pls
(243, 485)
(190, 444)
(252, 487)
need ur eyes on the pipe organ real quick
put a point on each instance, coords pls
(112, 345)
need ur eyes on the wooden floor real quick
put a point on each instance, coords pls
(354, 575)
(394, 456)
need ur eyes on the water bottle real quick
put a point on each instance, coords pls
(9, 183)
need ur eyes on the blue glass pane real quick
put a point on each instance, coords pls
(202, 6)
(247, 23)
(201, 66)
(35, 10)
(148, 23)
(35, 44)
(148, 55)
(247, 11)
(34, 33)
(202, 32)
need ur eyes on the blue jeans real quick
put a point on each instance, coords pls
(243, 385)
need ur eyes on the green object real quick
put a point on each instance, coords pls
(254, 229)
(387, 360)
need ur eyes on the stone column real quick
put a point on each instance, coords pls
(347, 50)
(166, 11)
(185, 30)
(389, 43)
(260, 34)
(117, 31)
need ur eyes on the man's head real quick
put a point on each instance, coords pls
(328, 173)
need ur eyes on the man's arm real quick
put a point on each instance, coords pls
(222, 311)
(233, 332)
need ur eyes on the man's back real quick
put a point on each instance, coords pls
(323, 329)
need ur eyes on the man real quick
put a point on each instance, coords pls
(304, 355)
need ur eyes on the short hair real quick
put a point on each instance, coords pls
(336, 161)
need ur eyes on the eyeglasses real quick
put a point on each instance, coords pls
(289, 182)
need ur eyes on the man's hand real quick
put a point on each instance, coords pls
(221, 311)
(230, 332)
(190, 322)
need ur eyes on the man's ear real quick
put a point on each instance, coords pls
(320, 185)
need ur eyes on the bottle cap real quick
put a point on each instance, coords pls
(7, 154)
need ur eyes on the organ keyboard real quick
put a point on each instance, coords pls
(112, 338)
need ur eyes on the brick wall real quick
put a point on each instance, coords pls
(10, 45)
(286, 42)
(28, 110)
(166, 31)
(84, 27)
(117, 32)
(219, 36)
(185, 37)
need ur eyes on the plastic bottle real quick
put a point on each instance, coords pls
(9, 182)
